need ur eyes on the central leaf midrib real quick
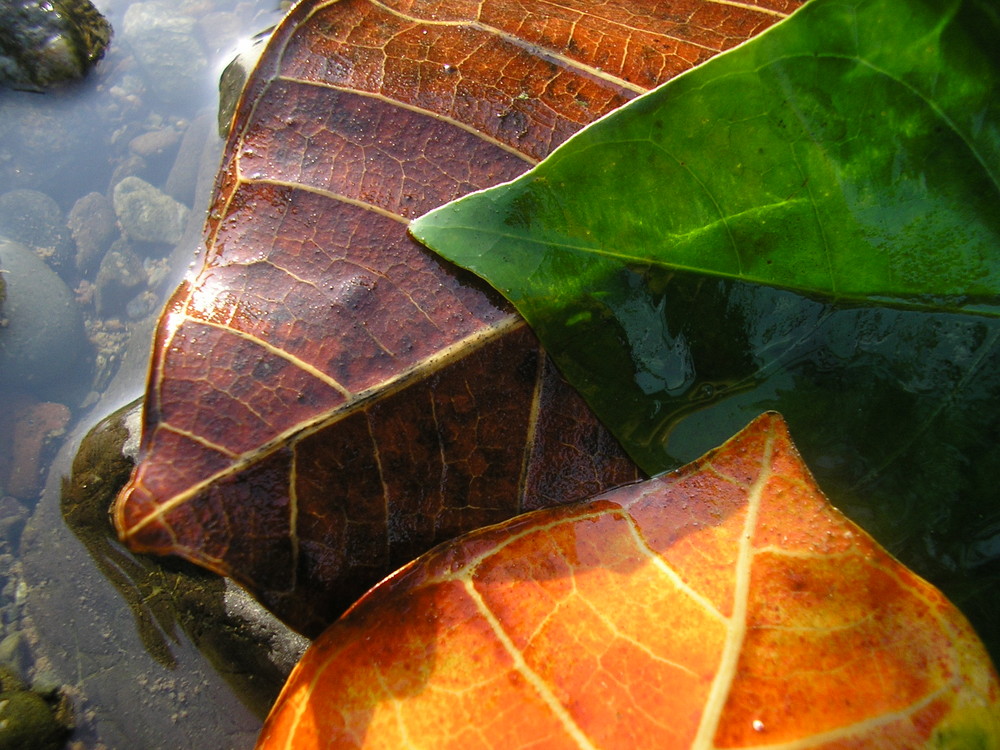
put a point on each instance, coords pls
(737, 626)
(344, 409)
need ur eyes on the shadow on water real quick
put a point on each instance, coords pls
(133, 642)
(163, 595)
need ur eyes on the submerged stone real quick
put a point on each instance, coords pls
(27, 721)
(164, 42)
(91, 222)
(41, 333)
(35, 219)
(44, 43)
(120, 279)
(246, 641)
(147, 214)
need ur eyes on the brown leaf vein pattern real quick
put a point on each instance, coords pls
(326, 399)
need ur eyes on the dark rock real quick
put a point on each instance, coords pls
(142, 306)
(42, 333)
(13, 514)
(15, 657)
(131, 165)
(159, 651)
(232, 80)
(198, 147)
(34, 219)
(154, 142)
(27, 721)
(10, 679)
(120, 278)
(91, 222)
(28, 427)
(44, 43)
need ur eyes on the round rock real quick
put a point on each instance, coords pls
(147, 214)
(26, 721)
(34, 219)
(91, 221)
(42, 333)
(163, 40)
(50, 42)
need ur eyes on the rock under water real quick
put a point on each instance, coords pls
(44, 43)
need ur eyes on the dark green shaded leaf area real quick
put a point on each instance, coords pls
(895, 411)
(809, 223)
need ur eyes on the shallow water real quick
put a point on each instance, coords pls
(82, 332)
(136, 674)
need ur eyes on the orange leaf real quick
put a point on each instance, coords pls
(723, 605)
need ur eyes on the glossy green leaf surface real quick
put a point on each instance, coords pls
(896, 407)
(852, 150)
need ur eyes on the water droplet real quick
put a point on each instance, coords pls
(704, 392)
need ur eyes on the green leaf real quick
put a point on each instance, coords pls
(852, 154)
(877, 120)
(853, 151)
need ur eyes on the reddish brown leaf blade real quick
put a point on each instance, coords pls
(326, 399)
(724, 605)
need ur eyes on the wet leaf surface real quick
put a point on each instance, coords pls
(851, 152)
(723, 605)
(769, 165)
(327, 399)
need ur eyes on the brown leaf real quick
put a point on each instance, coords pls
(326, 399)
(726, 604)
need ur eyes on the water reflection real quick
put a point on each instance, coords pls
(103, 189)
(893, 410)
